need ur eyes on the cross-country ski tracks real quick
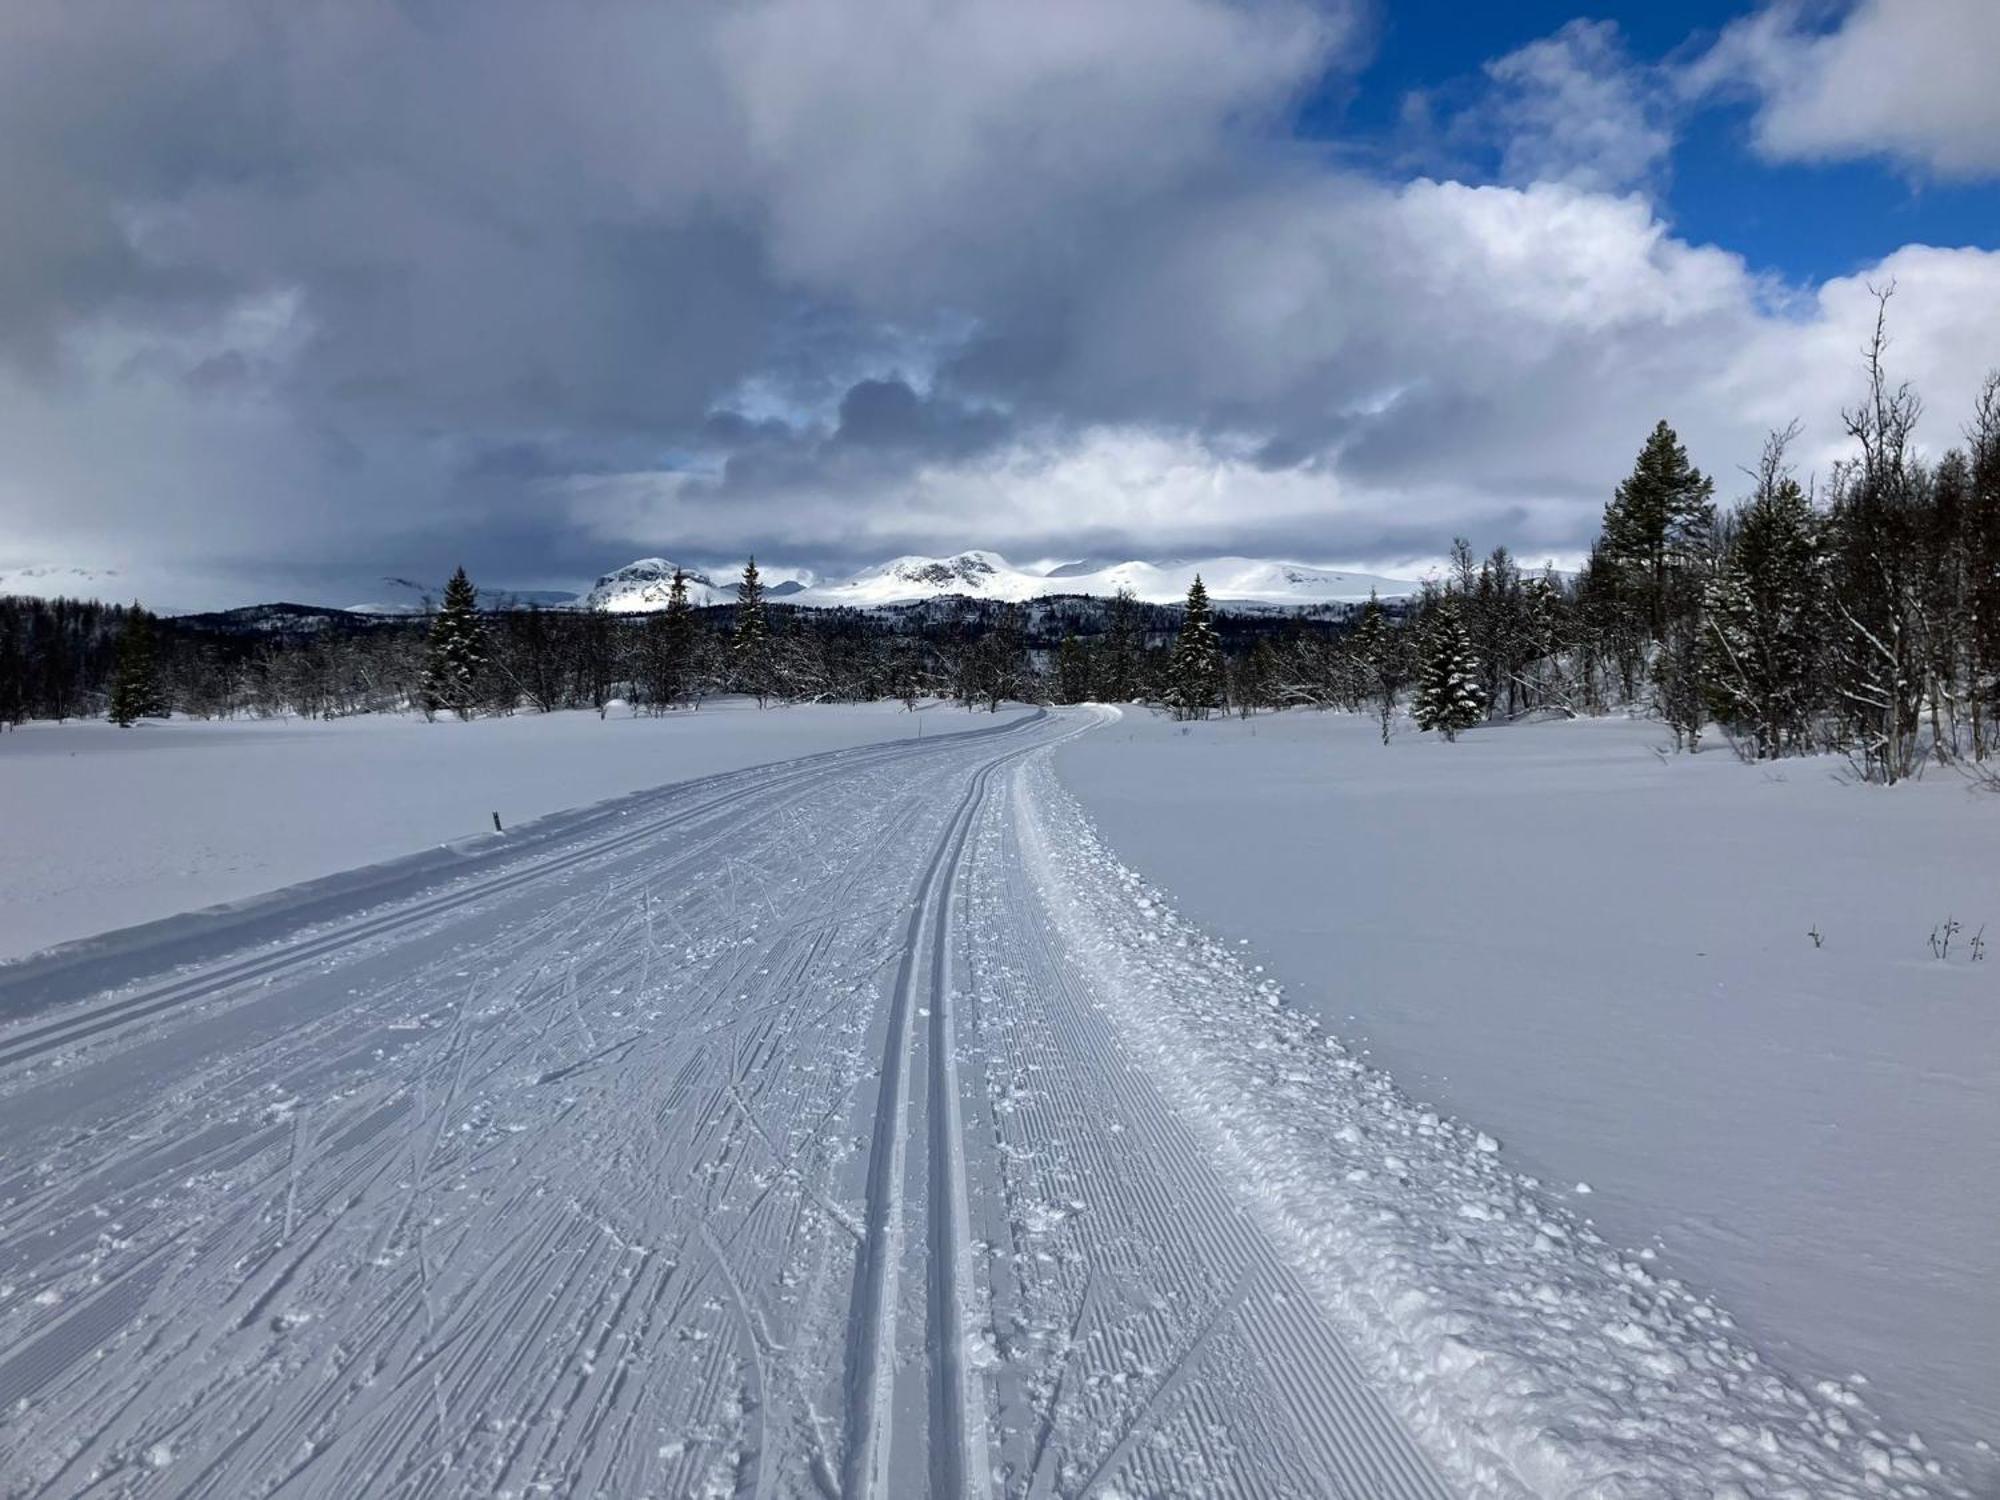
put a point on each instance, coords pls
(714, 800)
(776, 1153)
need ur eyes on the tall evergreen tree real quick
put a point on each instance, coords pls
(751, 646)
(679, 617)
(135, 682)
(1194, 674)
(668, 652)
(1448, 696)
(1659, 521)
(455, 662)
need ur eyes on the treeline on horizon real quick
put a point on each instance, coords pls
(1860, 616)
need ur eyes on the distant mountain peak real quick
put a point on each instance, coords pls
(644, 585)
(1244, 582)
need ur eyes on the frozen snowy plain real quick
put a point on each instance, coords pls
(857, 1125)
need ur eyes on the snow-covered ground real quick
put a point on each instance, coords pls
(764, 1142)
(1601, 956)
(857, 1125)
(102, 827)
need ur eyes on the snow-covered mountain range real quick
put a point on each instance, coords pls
(1242, 581)
(642, 586)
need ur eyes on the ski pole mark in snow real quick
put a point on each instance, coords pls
(857, 1128)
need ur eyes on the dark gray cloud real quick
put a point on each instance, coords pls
(890, 415)
(297, 296)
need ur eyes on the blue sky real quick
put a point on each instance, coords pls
(295, 299)
(1801, 221)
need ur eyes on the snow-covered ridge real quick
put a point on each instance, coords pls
(1257, 582)
(644, 585)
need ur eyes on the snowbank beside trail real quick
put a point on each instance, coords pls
(1532, 1356)
(103, 828)
(1603, 956)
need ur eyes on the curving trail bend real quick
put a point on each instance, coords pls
(772, 1139)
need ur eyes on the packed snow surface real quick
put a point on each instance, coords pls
(856, 1125)
(1603, 955)
(107, 827)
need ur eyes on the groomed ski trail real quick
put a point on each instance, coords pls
(825, 1131)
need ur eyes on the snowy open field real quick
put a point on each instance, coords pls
(1602, 957)
(102, 828)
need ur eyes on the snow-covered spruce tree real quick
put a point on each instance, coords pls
(455, 658)
(750, 648)
(1194, 673)
(135, 677)
(1448, 696)
(1766, 619)
(1379, 649)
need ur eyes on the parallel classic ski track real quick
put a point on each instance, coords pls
(872, 1318)
(957, 1450)
(959, 1454)
(770, 1146)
